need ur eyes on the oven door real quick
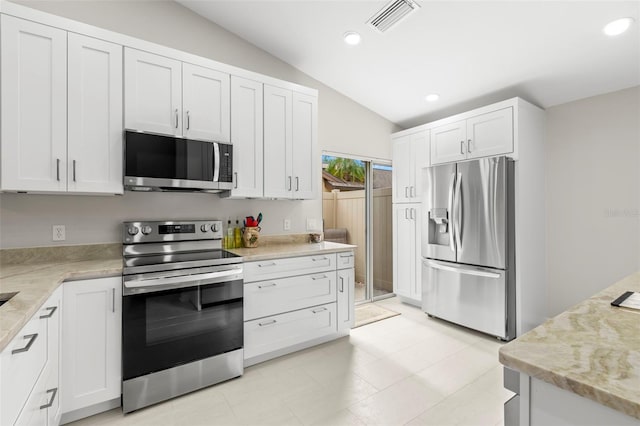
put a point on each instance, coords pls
(167, 328)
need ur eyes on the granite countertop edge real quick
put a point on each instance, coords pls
(545, 352)
(276, 251)
(36, 283)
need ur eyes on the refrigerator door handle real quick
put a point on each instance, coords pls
(452, 245)
(458, 209)
(461, 269)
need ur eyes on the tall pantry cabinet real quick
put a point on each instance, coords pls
(410, 155)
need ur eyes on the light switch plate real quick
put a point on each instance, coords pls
(59, 233)
(287, 225)
(312, 225)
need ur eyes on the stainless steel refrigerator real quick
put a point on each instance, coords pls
(468, 244)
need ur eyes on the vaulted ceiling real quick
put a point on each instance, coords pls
(468, 52)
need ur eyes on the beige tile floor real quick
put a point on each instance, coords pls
(408, 369)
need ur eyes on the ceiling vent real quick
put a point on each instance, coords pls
(394, 12)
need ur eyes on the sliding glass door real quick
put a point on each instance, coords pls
(356, 209)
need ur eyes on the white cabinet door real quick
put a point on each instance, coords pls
(410, 155)
(490, 134)
(95, 115)
(206, 102)
(402, 172)
(153, 93)
(247, 138)
(448, 143)
(304, 136)
(346, 296)
(406, 252)
(34, 106)
(51, 312)
(278, 174)
(91, 343)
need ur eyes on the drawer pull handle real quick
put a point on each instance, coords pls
(53, 392)
(266, 285)
(262, 265)
(313, 259)
(346, 255)
(262, 324)
(31, 338)
(51, 310)
(315, 311)
(319, 278)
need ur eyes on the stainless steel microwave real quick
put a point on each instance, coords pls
(165, 163)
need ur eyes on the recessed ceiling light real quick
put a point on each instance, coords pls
(432, 97)
(352, 38)
(617, 27)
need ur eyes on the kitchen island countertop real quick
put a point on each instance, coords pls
(592, 350)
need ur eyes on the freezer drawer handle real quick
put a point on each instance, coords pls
(475, 272)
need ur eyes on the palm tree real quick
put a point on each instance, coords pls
(346, 169)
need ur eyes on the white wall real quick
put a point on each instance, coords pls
(343, 127)
(593, 195)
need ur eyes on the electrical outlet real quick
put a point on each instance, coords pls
(59, 233)
(311, 225)
(287, 225)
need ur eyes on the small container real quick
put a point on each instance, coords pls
(250, 236)
(315, 238)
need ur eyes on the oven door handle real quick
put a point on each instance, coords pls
(137, 286)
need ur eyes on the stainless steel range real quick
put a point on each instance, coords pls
(182, 320)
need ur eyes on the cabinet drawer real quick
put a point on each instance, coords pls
(22, 362)
(264, 298)
(280, 331)
(280, 268)
(346, 260)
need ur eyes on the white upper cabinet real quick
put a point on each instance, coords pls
(247, 138)
(152, 93)
(479, 136)
(448, 143)
(410, 155)
(169, 97)
(95, 116)
(490, 134)
(290, 141)
(305, 157)
(205, 103)
(34, 106)
(278, 173)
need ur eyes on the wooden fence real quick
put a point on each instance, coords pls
(347, 210)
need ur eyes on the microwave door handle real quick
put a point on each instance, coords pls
(216, 162)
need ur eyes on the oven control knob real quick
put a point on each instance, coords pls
(204, 228)
(214, 227)
(133, 230)
(146, 230)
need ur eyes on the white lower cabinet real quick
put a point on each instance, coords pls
(346, 296)
(91, 349)
(273, 333)
(297, 302)
(30, 367)
(407, 266)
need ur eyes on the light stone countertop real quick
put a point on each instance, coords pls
(280, 250)
(592, 349)
(36, 281)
